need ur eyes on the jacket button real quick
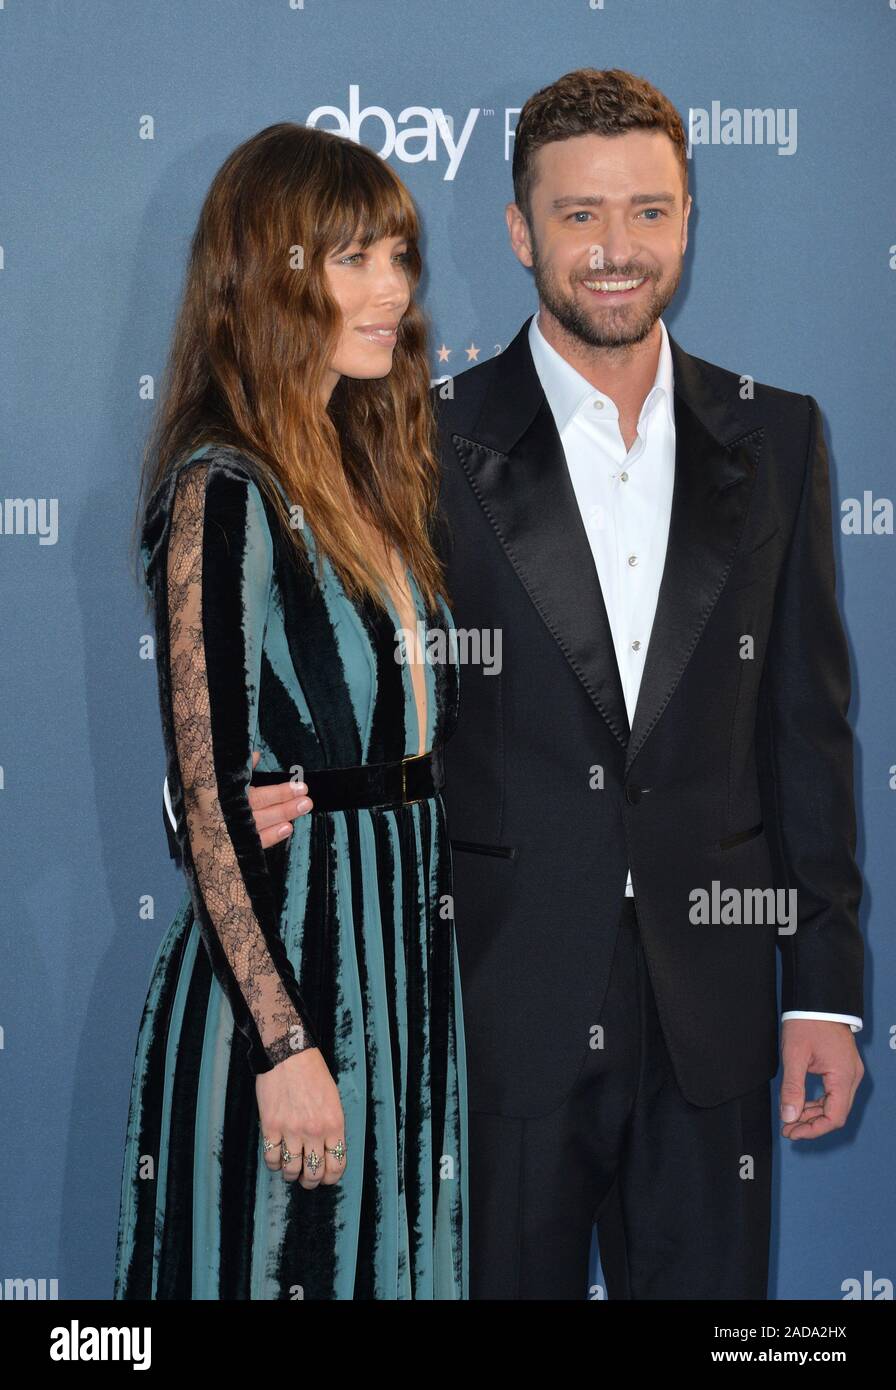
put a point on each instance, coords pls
(633, 794)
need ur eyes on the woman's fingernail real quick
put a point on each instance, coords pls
(303, 805)
(284, 830)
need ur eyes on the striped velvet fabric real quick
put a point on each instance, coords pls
(341, 937)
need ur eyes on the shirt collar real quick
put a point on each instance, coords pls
(567, 391)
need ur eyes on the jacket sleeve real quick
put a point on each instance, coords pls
(211, 588)
(806, 751)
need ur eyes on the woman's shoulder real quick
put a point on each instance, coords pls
(217, 463)
(222, 460)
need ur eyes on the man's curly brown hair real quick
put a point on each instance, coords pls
(590, 102)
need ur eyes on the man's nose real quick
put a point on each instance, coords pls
(618, 244)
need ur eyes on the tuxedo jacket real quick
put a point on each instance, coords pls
(738, 769)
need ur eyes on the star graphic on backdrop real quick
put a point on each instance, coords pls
(472, 352)
(444, 353)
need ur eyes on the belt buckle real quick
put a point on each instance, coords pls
(410, 758)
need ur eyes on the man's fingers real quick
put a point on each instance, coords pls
(793, 1094)
(836, 1102)
(274, 807)
(813, 1129)
(282, 813)
(812, 1110)
(275, 835)
(282, 795)
(822, 1116)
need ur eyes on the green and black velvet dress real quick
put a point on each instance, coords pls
(341, 937)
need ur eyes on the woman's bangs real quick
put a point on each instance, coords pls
(369, 206)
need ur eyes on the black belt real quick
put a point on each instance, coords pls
(400, 783)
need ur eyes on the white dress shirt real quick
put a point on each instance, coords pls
(625, 500)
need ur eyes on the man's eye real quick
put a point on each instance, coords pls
(582, 212)
(657, 211)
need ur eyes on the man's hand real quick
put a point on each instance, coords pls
(274, 808)
(828, 1049)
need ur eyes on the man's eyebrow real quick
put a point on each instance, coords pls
(595, 200)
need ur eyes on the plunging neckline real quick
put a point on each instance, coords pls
(406, 613)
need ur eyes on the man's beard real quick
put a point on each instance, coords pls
(623, 325)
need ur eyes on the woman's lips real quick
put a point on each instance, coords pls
(386, 338)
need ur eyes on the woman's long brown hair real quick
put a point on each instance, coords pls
(255, 332)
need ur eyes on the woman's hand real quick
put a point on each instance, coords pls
(298, 1103)
(298, 1100)
(274, 808)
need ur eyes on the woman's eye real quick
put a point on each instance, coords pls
(403, 256)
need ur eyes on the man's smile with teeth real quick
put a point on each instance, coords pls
(614, 285)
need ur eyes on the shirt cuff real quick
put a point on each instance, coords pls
(168, 807)
(854, 1023)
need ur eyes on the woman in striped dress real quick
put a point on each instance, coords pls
(297, 1123)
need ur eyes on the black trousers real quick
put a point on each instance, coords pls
(681, 1193)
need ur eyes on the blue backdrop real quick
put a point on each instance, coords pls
(115, 116)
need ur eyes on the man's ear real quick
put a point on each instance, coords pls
(518, 230)
(684, 224)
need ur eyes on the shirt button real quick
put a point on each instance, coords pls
(636, 645)
(633, 559)
(598, 405)
(624, 477)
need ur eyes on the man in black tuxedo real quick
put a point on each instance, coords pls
(651, 535)
(654, 787)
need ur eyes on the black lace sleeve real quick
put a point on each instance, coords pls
(211, 592)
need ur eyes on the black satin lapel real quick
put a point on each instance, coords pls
(529, 499)
(713, 485)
